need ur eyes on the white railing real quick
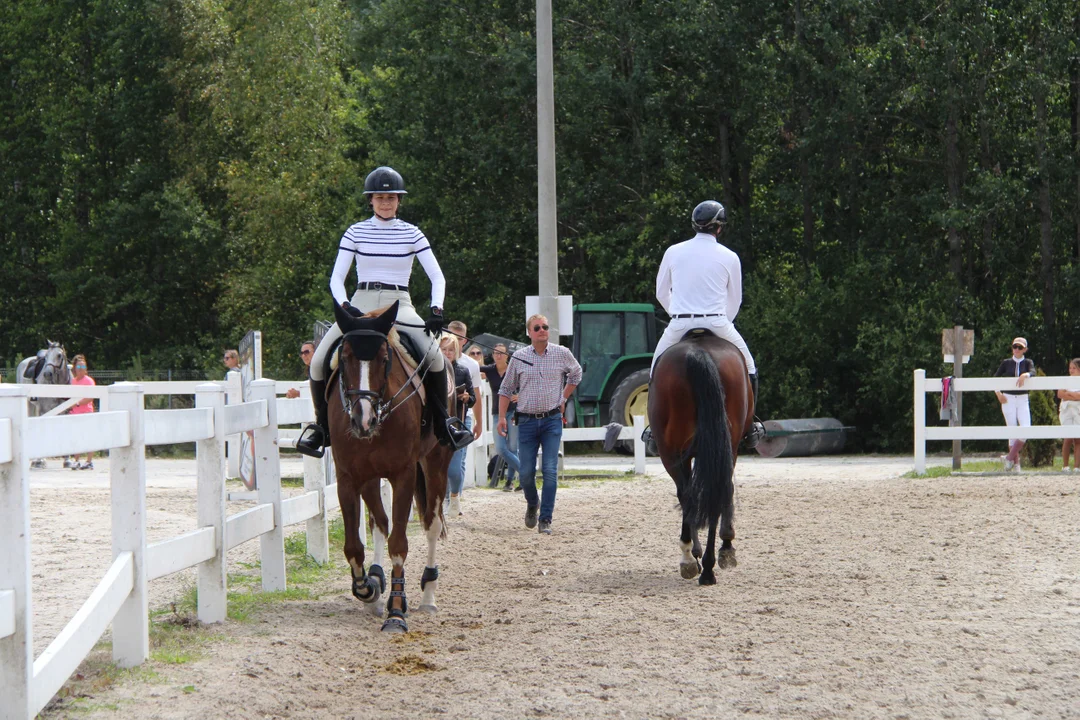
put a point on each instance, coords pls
(120, 599)
(924, 385)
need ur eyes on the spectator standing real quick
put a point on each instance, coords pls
(307, 349)
(1069, 414)
(460, 333)
(543, 376)
(1014, 403)
(83, 406)
(507, 446)
(231, 358)
(466, 395)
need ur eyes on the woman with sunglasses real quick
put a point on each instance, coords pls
(1014, 403)
(83, 406)
(505, 447)
(382, 249)
(307, 349)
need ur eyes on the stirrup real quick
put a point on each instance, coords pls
(311, 441)
(754, 435)
(650, 443)
(457, 433)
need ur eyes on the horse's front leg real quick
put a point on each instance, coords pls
(366, 588)
(397, 607)
(370, 586)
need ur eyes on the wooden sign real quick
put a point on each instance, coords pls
(947, 345)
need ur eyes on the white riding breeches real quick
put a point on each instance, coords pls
(368, 300)
(1017, 410)
(720, 326)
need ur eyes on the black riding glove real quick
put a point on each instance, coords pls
(434, 324)
(351, 310)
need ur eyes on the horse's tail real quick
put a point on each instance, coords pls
(421, 489)
(711, 487)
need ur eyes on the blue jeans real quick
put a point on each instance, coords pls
(457, 464)
(532, 435)
(507, 446)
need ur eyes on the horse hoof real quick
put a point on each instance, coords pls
(395, 625)
(707, 578)
(367, 591)
(376, 609)
(689, 571)
(427, 609)
(727, 559)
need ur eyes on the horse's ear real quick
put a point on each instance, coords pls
(345, 319)
(390, 315)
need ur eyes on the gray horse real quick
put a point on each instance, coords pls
(48, 367)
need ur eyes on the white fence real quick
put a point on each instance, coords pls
(125, 428)
(924, 385)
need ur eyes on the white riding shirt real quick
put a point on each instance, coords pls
(702, 276)
(383, 251)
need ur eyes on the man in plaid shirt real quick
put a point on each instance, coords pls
(543, 376)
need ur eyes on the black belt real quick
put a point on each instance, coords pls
(695, 315)
(380, 286)
(538, 416)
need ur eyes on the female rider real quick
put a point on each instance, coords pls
(383, 248)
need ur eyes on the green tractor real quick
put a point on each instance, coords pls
(614, 343)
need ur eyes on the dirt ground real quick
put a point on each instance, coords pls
(858, 594)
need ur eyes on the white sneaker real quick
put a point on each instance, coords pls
(455, 506)
(1016, 467)
(1008, 464)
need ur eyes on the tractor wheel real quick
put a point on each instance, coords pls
(631, 397)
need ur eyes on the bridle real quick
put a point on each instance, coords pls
(382, 407)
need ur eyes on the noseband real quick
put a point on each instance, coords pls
(371, 341)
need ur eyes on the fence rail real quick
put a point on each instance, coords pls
(923, 433)
(120, 599)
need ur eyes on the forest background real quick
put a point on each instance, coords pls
(174, 173)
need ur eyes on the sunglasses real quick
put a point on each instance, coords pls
(1019, 347)
(305, 352)
(538, 328)
(80, 367)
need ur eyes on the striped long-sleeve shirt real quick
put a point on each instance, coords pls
(383, 251)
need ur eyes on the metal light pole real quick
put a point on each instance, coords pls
(547, 240)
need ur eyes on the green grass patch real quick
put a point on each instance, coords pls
(293, 481)
(979, 466)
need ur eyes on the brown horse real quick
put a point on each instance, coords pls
(700, 404)
(379, 428)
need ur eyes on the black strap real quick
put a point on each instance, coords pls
(380, 286)
(684, 316)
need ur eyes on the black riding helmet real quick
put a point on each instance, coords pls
(708, 216)
(384, 180)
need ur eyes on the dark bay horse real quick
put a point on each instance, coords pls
(700, 404)
(379, 428)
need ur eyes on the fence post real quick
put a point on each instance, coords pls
(127, 478)
(234, 394)
(318, 542)
(920, 421)
(639, 446)
(17, 649)
(210, 488)
(268, 470)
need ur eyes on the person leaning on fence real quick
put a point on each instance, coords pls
(1069, 414)
(543, 375)
(83, 406)
(1014, 403)
(383, 249)
(466, 395)
(307, 349)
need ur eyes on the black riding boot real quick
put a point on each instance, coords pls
(450, 431)
(316, 436)
(756, 431)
